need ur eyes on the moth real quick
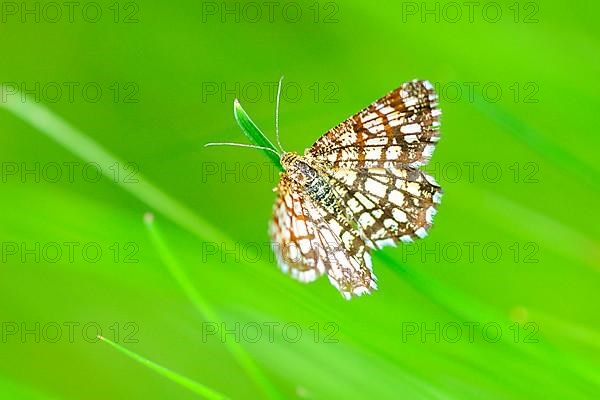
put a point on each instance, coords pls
(357, 189)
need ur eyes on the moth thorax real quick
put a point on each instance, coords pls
(287, 159)
(297, 168)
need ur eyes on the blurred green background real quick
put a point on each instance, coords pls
(519, 95)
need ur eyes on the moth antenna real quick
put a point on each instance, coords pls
(277, 115)
(251, 146)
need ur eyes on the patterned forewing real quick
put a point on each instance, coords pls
(400, 128)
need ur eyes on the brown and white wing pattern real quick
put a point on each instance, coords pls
(361, 190)
(294, 236)
(372, 159)
(389, 204)
(308, 240)
(400, 128)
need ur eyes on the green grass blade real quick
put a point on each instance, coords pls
(523, 132)
(207, 312)
(55, 127)
(167, 373)
(469, 308)
(254, 133)
(62, 132)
